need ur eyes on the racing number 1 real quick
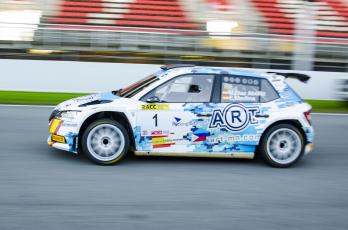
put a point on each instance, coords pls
(156, 119)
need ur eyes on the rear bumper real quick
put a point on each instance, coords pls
(308, 148)
(309, 132)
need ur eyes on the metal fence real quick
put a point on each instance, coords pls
(253, 50)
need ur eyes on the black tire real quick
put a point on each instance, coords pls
(119, 130)
(265, 154)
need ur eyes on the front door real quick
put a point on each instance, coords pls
(174, 117)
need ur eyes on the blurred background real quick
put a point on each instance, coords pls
(53, 50)
(296, 35)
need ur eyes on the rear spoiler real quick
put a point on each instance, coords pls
(299, 76)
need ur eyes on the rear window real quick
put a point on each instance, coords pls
(239, 89)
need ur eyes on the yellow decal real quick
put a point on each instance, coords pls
(55, 125)
(57, 138)
(155, 107)
(159, 140)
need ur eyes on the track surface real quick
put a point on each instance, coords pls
(43, 188)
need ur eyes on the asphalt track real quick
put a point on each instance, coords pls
(43, 188)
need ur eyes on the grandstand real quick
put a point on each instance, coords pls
(279, 16)
(245, 33)
(157, 14)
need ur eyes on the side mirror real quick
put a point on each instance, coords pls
(194, 89)
(153, 99)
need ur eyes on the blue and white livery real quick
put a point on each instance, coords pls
(189, 111)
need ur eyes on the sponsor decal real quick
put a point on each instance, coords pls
(158, 132)
(85, 98)
(177, 119)
(178, 122)
(234, 138)
(234, 117)
(57, 138)
(155, 107)
(66, 124)
(236, 89)
(155, 132)
(159, 138)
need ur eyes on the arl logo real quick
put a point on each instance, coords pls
(234, 117)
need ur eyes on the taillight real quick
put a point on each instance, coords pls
(308, 116)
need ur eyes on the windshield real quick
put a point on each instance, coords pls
(138, 86)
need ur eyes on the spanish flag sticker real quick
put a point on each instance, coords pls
(161, 142)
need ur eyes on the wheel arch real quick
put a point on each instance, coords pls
(117, 116)
(293, 122)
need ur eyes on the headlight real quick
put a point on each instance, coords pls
(69, 114)
(55, 113)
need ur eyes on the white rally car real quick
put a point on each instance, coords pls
(189, 111)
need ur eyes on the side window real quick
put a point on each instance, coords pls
(270, 93)
(187, 88)
(246, 89)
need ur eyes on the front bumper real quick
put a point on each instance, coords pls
(63, 135)
(58, 145)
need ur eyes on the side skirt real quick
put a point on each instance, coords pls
(197, 154)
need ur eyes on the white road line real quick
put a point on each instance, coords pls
(331, 114)
(29, 106)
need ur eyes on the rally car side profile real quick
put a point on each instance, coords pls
(189, 111)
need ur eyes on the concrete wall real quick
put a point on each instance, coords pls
(66, 76)
(55, 76)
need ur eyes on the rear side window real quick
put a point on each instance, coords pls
(270, 93)
(239, 89)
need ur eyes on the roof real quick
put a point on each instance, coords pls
(184, 69)
(167, 67)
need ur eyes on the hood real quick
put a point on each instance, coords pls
(85, 101)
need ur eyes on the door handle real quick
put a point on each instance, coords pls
(262, 115)
(204, 115)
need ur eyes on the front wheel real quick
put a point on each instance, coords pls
(282, 145)
(105, 141)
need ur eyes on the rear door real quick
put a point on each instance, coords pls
(238, 120)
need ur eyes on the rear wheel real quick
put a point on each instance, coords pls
(282, 145)
(105, 141)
